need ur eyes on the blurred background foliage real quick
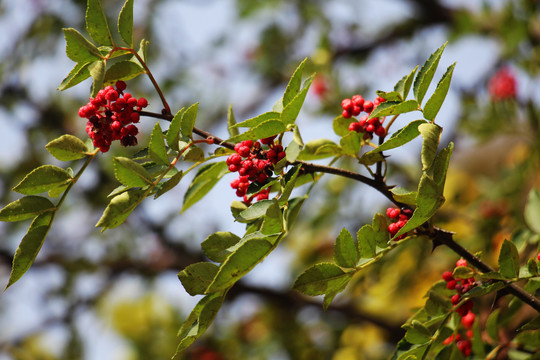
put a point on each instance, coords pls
(116, 296)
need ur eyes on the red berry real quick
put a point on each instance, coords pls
(448, 340)
(538, 256)
(268, 140)
(120, 85)
(355, 126)
(356, 110)
(468, 320)
(132, 130)
(380, 131)
(470, 333)
(358, 100)
(465, 347)
(135, 117)
(142, 102)
(368, 106)
(131, 101)
(370, 128)
(111, 95)
(347, 104)
(233, 168)
(461, 262)
(455, 299)
(346, 114)
(451, 284)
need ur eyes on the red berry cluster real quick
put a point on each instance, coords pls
(354, 106)
(254, 164)
(464, 310)
(111, 115)
(402, 216)
(502, 85)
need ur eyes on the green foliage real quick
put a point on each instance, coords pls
(203, 182)
(67, 148)
(130, 173)
(532, 211)
(433, 105)
(156, 148)
(29, 247)
(125, 22)
(41, 179)
(345, 250)
(119, 208)
(197, 277)
(96, 23)
(394, 108)
(26, 208)
(425, 75)
(509, 260)
(187, 121)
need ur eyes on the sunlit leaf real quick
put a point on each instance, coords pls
(26, 208)
(41, 179)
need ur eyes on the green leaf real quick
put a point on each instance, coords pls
(253, 122)
(341, 125)
(425, 75)
(156, 147)
(433, 105)
(417, 333)
(130, 173)
(404, 85)
(231, 122)
(119, 208)
(170, 184)
(173, 133)
(263, 130)
(125, 22)
(492, 325)
(509, 260)
(292, 210)
(273, 219)
(67, 148)
(484, 289)
(380, 230)
(291, 175)
(320, 279)
(29, 247)
(404, 196)
(239, 263)
(431, 134)
(429, 199)
(198, 321)
(532, 267)
(390, 96)
(532, 211)
(292, 151)
(41, 179)
(188, 120)
(319, 149)
(194, 153)
(350, 143)
(216, 245)
(142, 49)
(196, 277)
(79, 49)
(477, 341)
(297, 137)
(440, 166)
(399, 138)
(534, 324)
(292, 109)
(393, 108)
(97, 71)
(25, 208)
(256, 210)
(122, 70)
(293, 87)
(367, 242)
(463, 272)
(78, 74)
(336, 288)
(345, 250)
(96, 23)
(203, 182)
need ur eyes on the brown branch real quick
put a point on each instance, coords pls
(441, 236)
